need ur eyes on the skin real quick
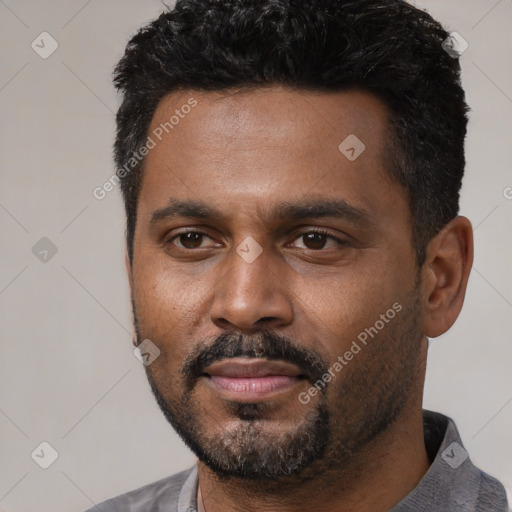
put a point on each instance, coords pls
(242, 153)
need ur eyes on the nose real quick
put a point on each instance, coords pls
(251, 295)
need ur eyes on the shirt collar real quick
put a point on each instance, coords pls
(187, 500)
(452, 481)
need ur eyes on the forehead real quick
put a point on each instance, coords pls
(273, 115)
(233, 148)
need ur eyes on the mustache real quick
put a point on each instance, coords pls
(265, 345)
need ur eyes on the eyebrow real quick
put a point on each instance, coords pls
(304, 209)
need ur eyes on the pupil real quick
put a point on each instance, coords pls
(190, 238)
(316, 239)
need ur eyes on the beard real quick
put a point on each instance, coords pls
(359, 404)
(248, 450)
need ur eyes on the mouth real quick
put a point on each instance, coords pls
(246, 379)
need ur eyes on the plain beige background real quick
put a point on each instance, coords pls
(67, 372)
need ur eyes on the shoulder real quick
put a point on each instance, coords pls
(154, 497)
(491, 495)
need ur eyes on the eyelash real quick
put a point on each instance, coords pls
(316, 231)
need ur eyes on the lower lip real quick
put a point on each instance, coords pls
(253, 387)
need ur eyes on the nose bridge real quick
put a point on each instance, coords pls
(249, 290)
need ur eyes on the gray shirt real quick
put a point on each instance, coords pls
(452, 483)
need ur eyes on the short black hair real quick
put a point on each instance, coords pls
(385, 47)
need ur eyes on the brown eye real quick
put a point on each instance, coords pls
(314, 240)
(191, 240)
(188, 240)
(317, 240)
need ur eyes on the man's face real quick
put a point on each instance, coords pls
(296, 255)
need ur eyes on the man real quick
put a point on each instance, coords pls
(291, 173)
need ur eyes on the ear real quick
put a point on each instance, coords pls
(445, 276)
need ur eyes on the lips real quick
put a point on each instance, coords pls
(249, 379)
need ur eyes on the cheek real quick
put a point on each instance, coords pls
(164, 292)
(172, 309)
(350, 302)
(164, 308)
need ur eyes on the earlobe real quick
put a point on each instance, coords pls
(445, 275)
